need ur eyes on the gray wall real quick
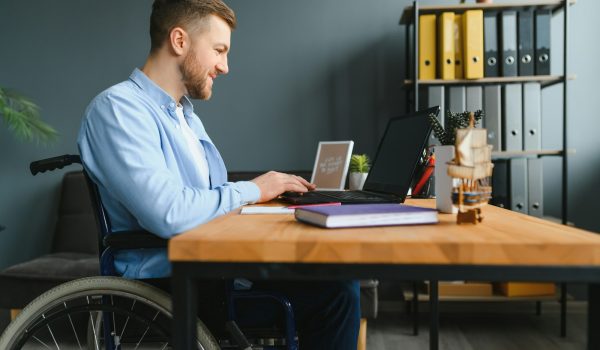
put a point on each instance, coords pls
(300, 71)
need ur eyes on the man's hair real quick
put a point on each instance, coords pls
(168, 14)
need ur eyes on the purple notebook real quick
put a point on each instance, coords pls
(357, 215)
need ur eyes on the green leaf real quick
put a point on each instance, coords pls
(447, 135)
(359, 163)
(22, 117)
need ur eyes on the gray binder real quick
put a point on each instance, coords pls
(518, 185)
(456, 99)
(474, 100)
(513, 118)
(492, 105)
(526, 43)
(535, 187)
(434, 96)
(532, 116)
(542, 42)
(509, 43)
(490, 44)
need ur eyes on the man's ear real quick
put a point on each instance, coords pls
(178, 41)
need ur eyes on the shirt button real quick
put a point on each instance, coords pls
(171, 105)
(162, 106)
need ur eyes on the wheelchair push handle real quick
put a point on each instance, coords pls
(40, 166)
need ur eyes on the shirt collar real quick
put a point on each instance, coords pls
(159, 95)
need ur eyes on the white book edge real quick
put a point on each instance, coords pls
(360, 220)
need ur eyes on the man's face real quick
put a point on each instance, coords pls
(207, 57)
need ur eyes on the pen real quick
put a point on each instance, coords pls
(313, 205)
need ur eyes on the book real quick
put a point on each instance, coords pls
(360, 215)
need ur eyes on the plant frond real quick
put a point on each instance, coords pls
(22, 117)
(359, 163)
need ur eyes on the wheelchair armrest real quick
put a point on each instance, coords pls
(134, 240)
(42, 165)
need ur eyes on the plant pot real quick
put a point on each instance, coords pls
(357, 180)
(443, 181)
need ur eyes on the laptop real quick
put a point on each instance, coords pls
(393, 167)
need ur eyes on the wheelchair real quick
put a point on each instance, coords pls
(110, 312)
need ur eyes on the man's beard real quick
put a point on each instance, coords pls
(194, 77)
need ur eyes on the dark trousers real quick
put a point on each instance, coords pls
(327, 313)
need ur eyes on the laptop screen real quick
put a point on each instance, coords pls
(398, 154)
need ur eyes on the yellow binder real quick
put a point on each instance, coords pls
(427, 43)
(458, 47)
(446, 45)
(473, 43)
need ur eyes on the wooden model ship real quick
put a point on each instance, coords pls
(472, 167)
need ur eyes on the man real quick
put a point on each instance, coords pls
(157, 169)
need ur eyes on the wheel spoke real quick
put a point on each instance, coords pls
(41, 342)
(93, 326)
(127, 320)
(146, 331)
(51, 333)
(73, 327)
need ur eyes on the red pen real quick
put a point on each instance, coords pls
(313, 205)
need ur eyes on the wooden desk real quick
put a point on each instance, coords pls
(506, 246)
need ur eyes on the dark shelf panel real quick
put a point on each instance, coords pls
(527, 154)
(407, 14)
(545, 80)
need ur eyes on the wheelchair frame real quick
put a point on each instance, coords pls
(105, 287)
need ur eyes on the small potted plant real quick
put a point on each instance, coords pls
(359, 169)
(445, 153)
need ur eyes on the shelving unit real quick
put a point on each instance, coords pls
(410, 18)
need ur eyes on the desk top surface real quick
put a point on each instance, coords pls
(503, 238)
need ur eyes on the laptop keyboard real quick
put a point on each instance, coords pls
(337, 196)
(351, 195)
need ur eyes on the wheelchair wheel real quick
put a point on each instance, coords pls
(75, 315)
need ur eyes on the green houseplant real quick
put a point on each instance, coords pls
(22, 117)
(359, 169)
(447, 135)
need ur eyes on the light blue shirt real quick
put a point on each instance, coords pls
(133, 147)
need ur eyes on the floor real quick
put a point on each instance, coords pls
(489, 326)
(474, 326)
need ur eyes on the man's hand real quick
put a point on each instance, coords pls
(272, 184)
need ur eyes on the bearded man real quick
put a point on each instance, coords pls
(157, 169)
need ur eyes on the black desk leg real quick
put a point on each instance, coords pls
(433, 315)
(593, 316)
(415, 304)
(563, 310)
(185, 304)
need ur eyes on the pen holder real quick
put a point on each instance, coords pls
(424, 187)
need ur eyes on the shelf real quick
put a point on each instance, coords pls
(407, 14)
(544, 80)
(527, 154)
(408, 295)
